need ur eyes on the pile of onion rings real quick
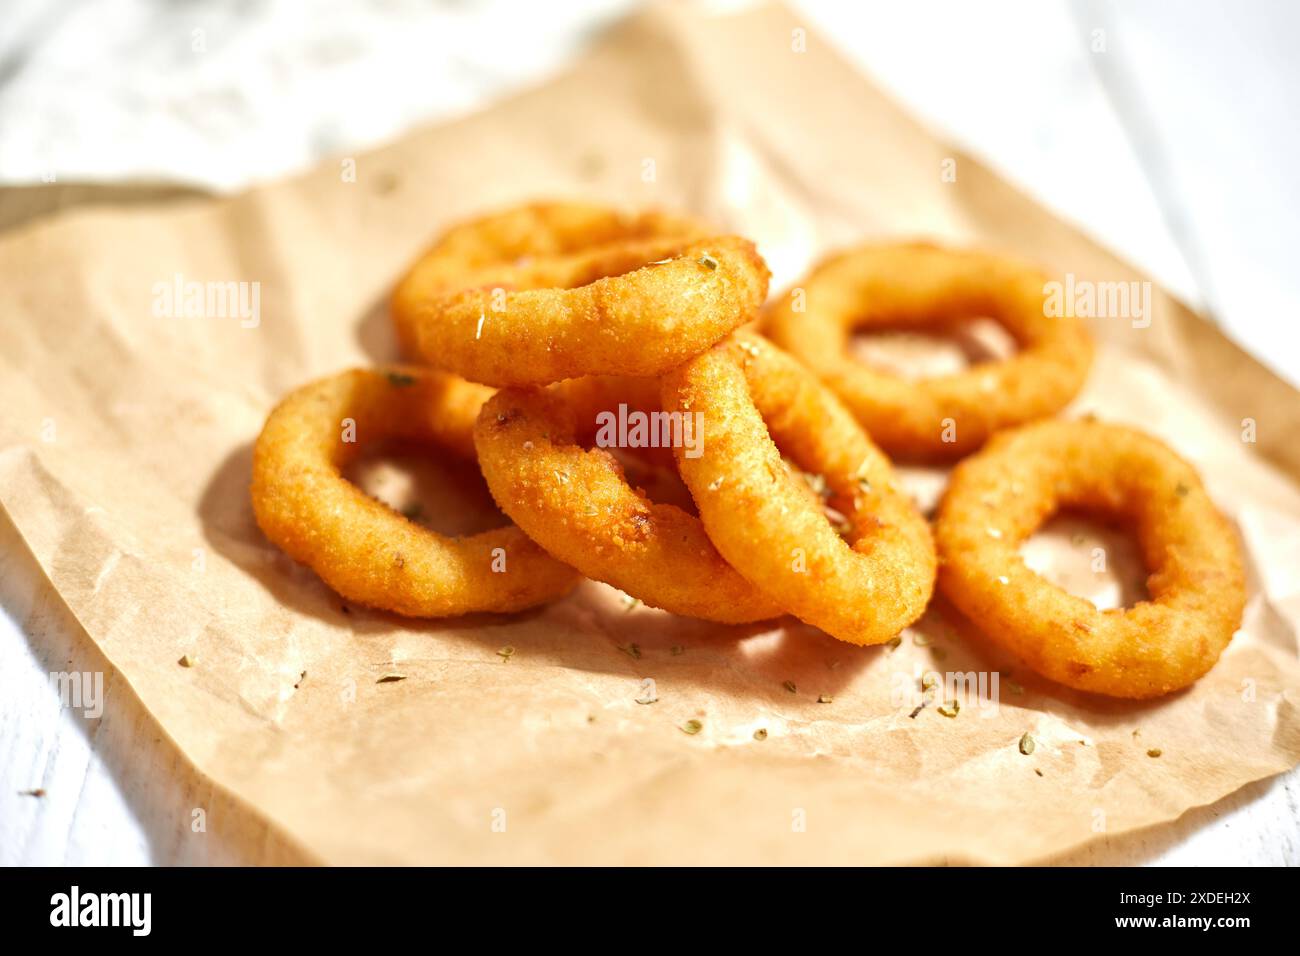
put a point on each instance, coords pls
(581, 314)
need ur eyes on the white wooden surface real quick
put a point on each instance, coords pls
(1171, 144)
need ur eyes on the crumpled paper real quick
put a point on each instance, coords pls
(125, 455)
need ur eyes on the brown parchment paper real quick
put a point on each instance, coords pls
(124, 464)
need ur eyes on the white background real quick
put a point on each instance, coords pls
(1166, 130)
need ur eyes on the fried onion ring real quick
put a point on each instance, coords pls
(360, 547)
(920, 285)
(538, 233)
(578, 504)
(639, 296)
(761, 517)
(999, 497)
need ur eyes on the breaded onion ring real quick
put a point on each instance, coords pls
(999, 497)
(633, 307)
(761, 517)
(360, 547)
(534, 234)
(578, 505)
(920, 285)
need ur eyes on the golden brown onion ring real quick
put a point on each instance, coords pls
(999, 497)
(631, 302)
(862, 587)
(536, 235)
(360, 547)
(918, 286)
(578, 504)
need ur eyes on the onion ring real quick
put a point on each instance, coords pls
(762, 519)
(920, 285)
(537, 233)
(578, 504)
(360, 547)
(999, 497)
(636, 306)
